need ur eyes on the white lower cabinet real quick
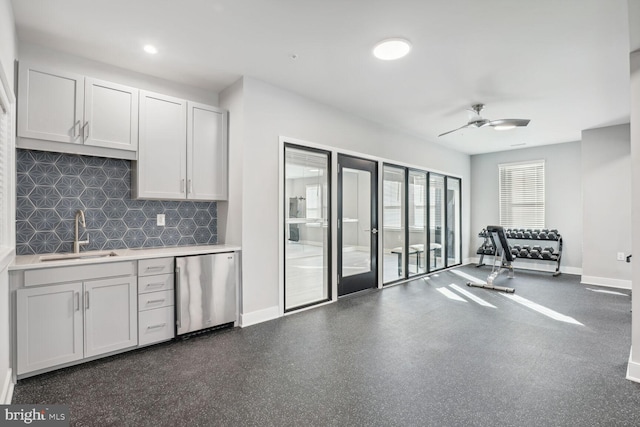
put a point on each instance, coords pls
(63, 323)
(156, 317)
(49, 325)
(110, 310)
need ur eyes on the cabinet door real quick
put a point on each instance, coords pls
(161, 166)
(49, 326)
(110, 115)
(50, 104)
(206, 153)
(110, 315)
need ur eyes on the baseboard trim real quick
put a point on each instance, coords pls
(633, 369)
(7, 389)
(606, 282)
(255, 317)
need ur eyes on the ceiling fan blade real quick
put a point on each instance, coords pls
(461, 127)
(508, 122)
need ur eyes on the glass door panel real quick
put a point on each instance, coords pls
(454, 245)
(436, 221)
(393, 223)
(357, 222)
(417, 206)
(307, 237)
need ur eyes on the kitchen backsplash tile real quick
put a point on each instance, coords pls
(51, 187)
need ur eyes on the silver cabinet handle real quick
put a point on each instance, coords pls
(86, 300)
(178, 308)
(85, 133)
(154, 285)
(190, 186)
(182, 185)
(76, 296)
(161, 325)
(76, 131)
(156, 301)
(155, 267)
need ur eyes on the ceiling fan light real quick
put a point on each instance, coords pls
(504, 127)
(391, 49)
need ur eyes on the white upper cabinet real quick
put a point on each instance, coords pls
(183, 150)
(63, 107)
(206, 153)
(161, 168)
(110, 115)
(50, 104)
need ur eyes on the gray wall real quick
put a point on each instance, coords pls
(606, 205)
(270, 112)
(563, 203)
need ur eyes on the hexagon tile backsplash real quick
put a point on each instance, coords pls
(51, 187)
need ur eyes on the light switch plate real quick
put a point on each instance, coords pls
(160, 220)
(620, 256)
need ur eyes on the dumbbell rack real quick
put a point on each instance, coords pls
(532, 252)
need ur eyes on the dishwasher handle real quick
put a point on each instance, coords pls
(178, 305)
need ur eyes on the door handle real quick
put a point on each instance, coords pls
(86, 300)
(374, 231)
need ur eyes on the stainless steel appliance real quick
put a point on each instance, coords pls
(205, 291)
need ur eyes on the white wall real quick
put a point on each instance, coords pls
(563, 204)
(633, 372)
(606, 205)
(64, 61)
(7, 57)
(270, 112)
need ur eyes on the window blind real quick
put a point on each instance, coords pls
(521, 194)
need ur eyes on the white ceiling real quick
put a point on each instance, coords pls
(564, 64)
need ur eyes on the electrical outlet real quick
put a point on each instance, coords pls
(620, 256)
(160, 221)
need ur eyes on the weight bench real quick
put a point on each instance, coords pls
(501, 261)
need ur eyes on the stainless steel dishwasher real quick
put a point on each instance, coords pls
(205, 291)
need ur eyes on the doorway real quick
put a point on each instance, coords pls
(357, 224)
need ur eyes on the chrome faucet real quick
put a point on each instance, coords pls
(76, 242)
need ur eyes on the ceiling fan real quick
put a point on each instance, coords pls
(478, 122)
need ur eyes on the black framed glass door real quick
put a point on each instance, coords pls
(357, 224)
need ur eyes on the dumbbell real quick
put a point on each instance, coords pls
(543, 235)
(552, 236)
(520, 235)
(524, 252)
(527, 234)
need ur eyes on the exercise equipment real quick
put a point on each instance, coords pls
(501, 261)
(536, 250)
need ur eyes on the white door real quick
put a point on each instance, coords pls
(50, 104)
(110, 115)
(49, 326)
(110, 315)
(206, 153)
(161, 166)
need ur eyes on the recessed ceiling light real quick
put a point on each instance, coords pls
(149, 48)
(391, 49)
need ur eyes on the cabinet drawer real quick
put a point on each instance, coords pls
(155, 300)
(155, 325)
(149, 267)
(160, 282)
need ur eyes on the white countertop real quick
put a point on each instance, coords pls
(27, 262)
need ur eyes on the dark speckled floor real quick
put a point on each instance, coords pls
(406, 355)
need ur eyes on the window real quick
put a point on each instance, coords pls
(521, 194)
(392, 194)
(314, 201)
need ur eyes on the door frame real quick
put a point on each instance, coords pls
(370, 166)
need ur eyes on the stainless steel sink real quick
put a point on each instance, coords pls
(82, 255)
